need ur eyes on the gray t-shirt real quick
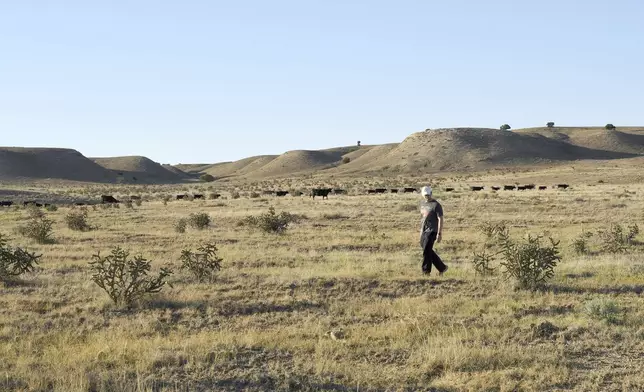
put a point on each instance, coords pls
(429, 223)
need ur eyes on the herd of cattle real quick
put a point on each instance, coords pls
(316, 192)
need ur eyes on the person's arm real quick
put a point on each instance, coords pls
(439, 236)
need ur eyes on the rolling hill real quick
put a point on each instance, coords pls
(140, 169)
(432, 150)
(18, 163)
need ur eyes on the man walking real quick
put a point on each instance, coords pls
(431, 230)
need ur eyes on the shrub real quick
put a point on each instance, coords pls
(550, 124)
(610, 127)
(615, 240)
(505, 127)
(235, 195)
(493, 230)
(180, 225)
(199, 221)
(207, 178)
(38, 229)
(126, 280)
(271, 222)
(34, 212)
(254, 195)
(138, 202)
(580, 244)
(128, 204)
(78, 220)
(603, 309)
(15, 261)
(346, 160)
(51, 208)
(529, 263)
(214, 196)
(481, 263)
(165, 199)
(203, 263)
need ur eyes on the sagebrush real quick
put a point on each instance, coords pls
(38, 229)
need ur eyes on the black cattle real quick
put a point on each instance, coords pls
(449, 189)
(324, 192)
(529, 186)
(509, 187)
(543, 188)
(198, 196)
(215, 196)
(477, 188)
(181, 197)
(521, 188)
(6, 203)
(135, 197)
(393, 190)
(281, 193)
(381, 190)
(339, 192)
(105, 199)
(410, 190)
(47, 205)
(371, 191)
(562, 186)
(496, 188)
(268, 192)
(79, 204)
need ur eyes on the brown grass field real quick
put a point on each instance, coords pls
(351, 267)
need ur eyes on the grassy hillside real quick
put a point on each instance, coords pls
(138, 168)
(18, 163)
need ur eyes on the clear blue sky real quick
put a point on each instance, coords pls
(206, 81)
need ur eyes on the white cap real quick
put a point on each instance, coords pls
(426, 191)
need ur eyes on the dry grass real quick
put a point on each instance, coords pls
(351, 268)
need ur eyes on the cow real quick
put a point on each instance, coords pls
(281, 193)
(106, 199)
(449, 189)
(410, 190)
(529, 186)
(324, 192)
(393, 190)
(78, 203)
(135, 197)
(477, 188)
(543, 188)
(339, 192)
(509, 187)
(214, 196)
(181, 197)
(371, 191)
(496, 188)
(521, 187)
(381, 190)
(562, 186)
(268, 192)
(6, 203)
(47, 205)
(198, 196)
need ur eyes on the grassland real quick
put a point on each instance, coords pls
(352, 267)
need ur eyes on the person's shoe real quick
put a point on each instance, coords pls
(443, 271)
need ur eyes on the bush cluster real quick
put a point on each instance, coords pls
(271, 222)
(615, 239)
(77, 220)
(199, 220)
(38, 229)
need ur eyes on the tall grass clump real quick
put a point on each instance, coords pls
(603, 309)
(199, 220)
(77, 220)
(38, 229)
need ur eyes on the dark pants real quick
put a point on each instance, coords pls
(429, 256)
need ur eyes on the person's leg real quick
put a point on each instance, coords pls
(428, 253)
(435, 259)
